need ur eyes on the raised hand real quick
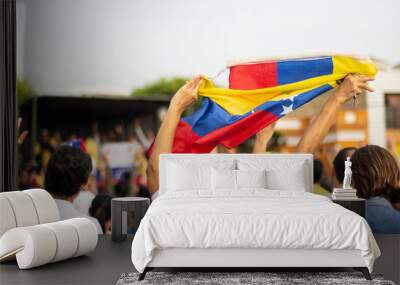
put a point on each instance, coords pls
(22, 136)
(186, 95)
(163, 143)
(352, 86)
(262, 138)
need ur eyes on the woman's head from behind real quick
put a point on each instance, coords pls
(376, 173)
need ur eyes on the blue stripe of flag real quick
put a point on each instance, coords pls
(289, 71)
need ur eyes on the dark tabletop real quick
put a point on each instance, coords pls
(102, 266)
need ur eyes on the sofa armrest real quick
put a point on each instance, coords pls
(33, 246)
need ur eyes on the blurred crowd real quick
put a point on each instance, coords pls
(103, 183)
(32, 172)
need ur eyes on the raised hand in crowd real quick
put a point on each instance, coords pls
(105, 184)
(145, 142)
(22, 136)
(351, 87)
(262, 138)
(182, 99)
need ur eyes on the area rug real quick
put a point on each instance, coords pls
(229, 278)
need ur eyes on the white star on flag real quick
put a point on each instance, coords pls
(292, 98)
(286, 110)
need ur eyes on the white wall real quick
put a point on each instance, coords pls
(21, 16)
(386, 82)
(103, 46)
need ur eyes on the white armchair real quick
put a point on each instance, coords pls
(31, 232)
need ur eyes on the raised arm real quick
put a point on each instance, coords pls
(353, 85)
(163, 143)
(262, 139)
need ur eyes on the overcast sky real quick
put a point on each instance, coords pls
(103, 46)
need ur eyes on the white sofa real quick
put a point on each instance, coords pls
(31, 231)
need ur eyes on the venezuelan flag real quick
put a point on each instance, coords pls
(259, 94)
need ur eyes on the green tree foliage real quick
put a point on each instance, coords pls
(24, 91)
(165, 88)
(161, 87)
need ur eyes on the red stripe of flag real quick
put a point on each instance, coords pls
(234, 134)
(253, 76)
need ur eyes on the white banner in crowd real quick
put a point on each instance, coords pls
(121, 154)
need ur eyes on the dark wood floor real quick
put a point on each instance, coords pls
(106, 264)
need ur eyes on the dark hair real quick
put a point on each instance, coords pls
(68, 169)
(101, 209)
(318, 170)
(375, 173)
(123, 186)
(144, 192)
(338, 162)
(126, 177)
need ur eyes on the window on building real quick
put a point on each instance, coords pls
(393, 111)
